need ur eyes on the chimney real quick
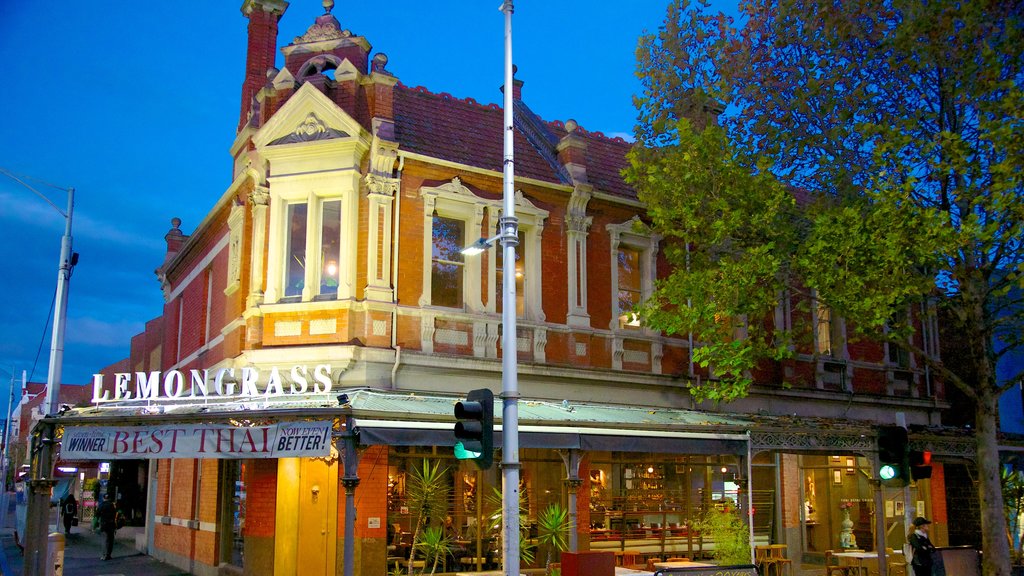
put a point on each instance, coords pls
(572, 153)
(517, 85)
(175, 239)
(263, 16)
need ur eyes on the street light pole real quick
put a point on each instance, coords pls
(509, 237)
(54, 374)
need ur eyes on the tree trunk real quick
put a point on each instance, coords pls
(993, 519)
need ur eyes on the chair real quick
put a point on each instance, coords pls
(895, 564)
(763, 560)
(628, 557)
(777, 555)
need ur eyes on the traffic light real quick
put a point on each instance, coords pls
(474, 431)
(893, 456)
(920, 464)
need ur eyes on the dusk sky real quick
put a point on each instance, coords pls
(136, 103)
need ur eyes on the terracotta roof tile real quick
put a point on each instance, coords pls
(467, 132)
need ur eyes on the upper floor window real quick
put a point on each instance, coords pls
(295, 253)
(310, 239)
(630, 286)
(447, 267)
(828, 332)
(330, 246)
(634, 251)
(520, 273)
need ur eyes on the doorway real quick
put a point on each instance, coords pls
(307, 517)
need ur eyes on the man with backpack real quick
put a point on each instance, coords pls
(68, 511)
(107, 514)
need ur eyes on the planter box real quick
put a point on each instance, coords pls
(588, 564)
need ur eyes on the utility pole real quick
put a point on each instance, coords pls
(55, 372)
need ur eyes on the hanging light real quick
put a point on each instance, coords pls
(332, 268)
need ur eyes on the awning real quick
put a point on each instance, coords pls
(406, 433)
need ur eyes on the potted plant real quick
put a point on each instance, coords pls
(722, 525)
(552, 531)
(435, 545)
(427, 497)
(495, 501)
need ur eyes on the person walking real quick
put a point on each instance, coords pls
(922, 547)
(107, 513)
(68, 511)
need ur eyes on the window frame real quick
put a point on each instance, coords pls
(634, 234)
(531, 228)
(314, 191)
(452, 200)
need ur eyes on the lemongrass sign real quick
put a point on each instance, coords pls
(279, 440)
(224, 382)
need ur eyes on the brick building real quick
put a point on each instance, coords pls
(331, 265)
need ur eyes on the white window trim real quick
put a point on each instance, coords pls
(634, 234)
(313, 189)
(531, 224)
(453, 200)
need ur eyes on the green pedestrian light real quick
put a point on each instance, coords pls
(887, 472)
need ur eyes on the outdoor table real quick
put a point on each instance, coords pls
(860, 557)
(662, 565)
(620, 571)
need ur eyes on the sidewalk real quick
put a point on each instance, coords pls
(82, 556)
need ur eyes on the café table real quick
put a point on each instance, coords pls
(859, 559)
(663, 565)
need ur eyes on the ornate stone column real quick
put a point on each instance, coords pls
(259, 198)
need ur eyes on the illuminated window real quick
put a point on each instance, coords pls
(630, 286)
(634, 248)
(295, 253)
(521, 273)
(330, 246)
(448, 238)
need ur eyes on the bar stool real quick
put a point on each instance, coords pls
(778, 558)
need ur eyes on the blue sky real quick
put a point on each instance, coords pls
(135, 105)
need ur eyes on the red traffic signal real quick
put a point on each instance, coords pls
(920, 464)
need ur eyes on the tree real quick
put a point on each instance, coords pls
(869, 160)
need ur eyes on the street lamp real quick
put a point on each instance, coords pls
(68, 259)
(508, 237)
(42, 455)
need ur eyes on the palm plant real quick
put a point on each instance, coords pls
(1013, 500)
(427, 497)
(552, 531)
(434, 544)
(495, 501)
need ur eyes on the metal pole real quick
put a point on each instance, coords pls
(879, 519)
(509, 347)
(750, 494)
(5, 466)
(350, 461)
(53, 377)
